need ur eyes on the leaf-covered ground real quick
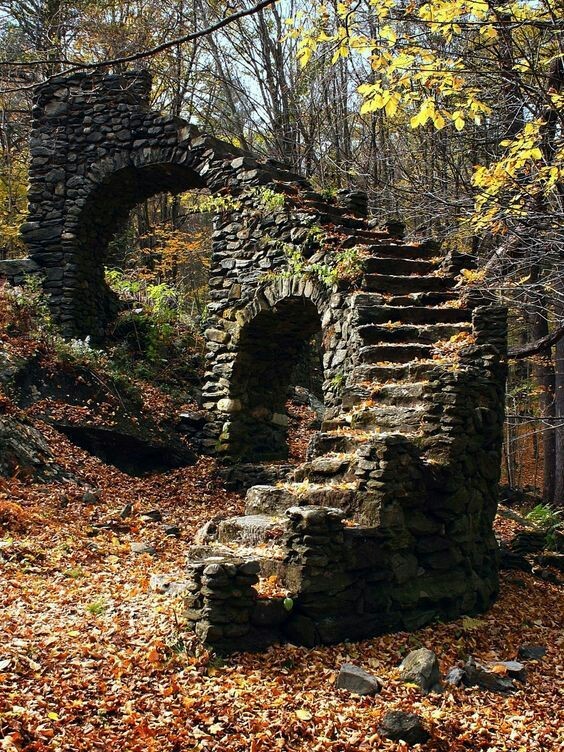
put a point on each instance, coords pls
(92, 658)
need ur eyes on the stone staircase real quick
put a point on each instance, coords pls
(405, 304)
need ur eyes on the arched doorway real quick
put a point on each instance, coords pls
(270, 348)
(104, 214)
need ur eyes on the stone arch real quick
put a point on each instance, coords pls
(273, 332)
(113, 188)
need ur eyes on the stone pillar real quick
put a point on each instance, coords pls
(221, 600)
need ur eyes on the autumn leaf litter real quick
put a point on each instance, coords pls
(92, 658)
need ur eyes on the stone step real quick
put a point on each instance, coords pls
(410, 394)
(394, 283)
(270, 557)
(381, 418)
(391, 418)
(323, 468)
(427, 334)
(250, 530)
(390, 265)
(404, 393)
(420, 298)
(411, 251)
(274, 500)
(368, 313)
(342, 441)
(392, 372)
(394, 353)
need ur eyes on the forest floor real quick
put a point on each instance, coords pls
(93, 658)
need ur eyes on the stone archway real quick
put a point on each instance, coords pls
(104, 214)
(97, 150)
(269, 347)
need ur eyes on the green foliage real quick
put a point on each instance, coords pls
(550, 519)
(150, 326)
(265, 201)
(338, 381)
(26, 310)
(79, 352)
(96, 608)
(346, 264)
(545, 516)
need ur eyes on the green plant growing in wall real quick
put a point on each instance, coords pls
(265, 201)
(345, 264)
(338, 382)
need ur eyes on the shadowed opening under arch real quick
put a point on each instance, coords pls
(270, 347)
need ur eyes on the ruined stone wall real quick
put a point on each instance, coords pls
(409, 451)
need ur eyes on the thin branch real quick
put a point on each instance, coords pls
(140, 55)
(534, 348)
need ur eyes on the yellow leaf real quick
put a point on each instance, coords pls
(303, 714)
(438, 121)
(53, 716)
(386, 32)
(468, 622)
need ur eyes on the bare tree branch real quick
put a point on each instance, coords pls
(534, 348)
(75, 65)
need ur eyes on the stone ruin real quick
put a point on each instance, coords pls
(388, 524)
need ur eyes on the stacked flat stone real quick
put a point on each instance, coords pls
(221, 599)
(355, 201)
(17, 271)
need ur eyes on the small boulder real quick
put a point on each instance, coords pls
(531, 652)
(172, 531)
(455, 676)
(138, 547)
(514, 669)
(421, 667)
(478, 676)
(126, 511)
(408, 727)
(357, 680)
(90, 497)
(153, 515)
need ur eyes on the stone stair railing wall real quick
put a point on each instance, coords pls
(390, 521)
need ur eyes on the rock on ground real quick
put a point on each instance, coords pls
(421, 667)
(357, 680)
(408, 727)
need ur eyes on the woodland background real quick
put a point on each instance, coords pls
(456, 131)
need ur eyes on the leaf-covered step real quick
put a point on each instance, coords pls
(274, 500)
(398, 266)
(390, 418)
(389, 283)
(379, 374)
(414, 251)
(399, 393)
(369, 313)
(395, 353)
(421, 298)
(373, 334)
(250, 530)
(328, 467)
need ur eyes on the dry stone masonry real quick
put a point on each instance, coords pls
(388, 525)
